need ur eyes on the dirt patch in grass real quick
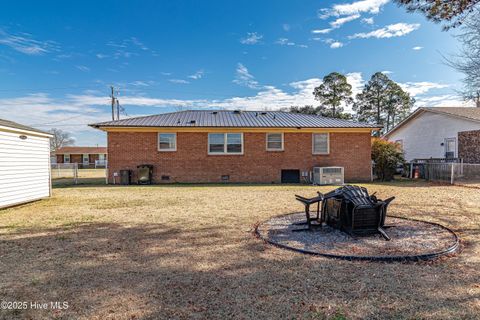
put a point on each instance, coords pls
(162, 252)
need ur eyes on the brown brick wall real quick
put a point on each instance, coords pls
(469, 146)
(191, 162)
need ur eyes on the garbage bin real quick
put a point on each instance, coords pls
(125, 177)
(144, 174)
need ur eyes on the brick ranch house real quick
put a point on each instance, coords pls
(87, 156)
(236, 146)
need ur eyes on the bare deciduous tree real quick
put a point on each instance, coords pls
(60, 139)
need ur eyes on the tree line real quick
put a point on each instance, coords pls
(382, 101)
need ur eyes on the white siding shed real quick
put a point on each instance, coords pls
(24, 164)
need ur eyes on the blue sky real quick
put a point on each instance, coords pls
(58, 59)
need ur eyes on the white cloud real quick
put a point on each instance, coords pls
(341, 21)
(83, 68)
(336, 45)
(286, 27)
(197, 75)
(25, 44)
(178, 81)
(417, 48)
(368, 20)
(355, 79)
(393, 30)
(244, 78)
(322, 31)
(101, 56)
(357, 7)
(419, 88)
(284, 42)
(251, 38)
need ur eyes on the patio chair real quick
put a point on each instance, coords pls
(307, 202)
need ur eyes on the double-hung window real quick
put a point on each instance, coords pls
(274, 141)
(225, 143)
(66, 158)
(320, 143)
(167, 142)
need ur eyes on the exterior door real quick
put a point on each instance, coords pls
(450, 146)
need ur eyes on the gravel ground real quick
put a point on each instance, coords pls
(408, 238)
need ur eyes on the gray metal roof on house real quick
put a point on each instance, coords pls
(14, 125)
(243, 119)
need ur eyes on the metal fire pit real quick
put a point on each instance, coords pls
(352, 210)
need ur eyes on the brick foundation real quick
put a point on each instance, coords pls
(191, 162)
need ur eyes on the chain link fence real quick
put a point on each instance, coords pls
(75, 173)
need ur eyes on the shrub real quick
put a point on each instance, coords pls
(387, 156)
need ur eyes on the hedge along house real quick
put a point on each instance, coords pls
(237, 146)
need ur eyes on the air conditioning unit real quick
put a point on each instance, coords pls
(328, 175)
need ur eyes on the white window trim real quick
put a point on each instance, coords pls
(65, 157)
(166, 150)
(274, 150)
(328, 144)
(224, 153)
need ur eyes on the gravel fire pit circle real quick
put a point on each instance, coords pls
(411, 240)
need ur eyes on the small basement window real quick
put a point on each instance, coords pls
(167, 142)
(320, 143)
(274, 141)
(225, 143)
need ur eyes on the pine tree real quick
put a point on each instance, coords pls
(332, 93)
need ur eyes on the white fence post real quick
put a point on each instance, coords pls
(452, 179)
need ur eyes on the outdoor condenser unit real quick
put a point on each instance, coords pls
(328, 175)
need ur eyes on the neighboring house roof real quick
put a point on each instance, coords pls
(242, 119)
(81, 150)
(18, 126)
(467, 113)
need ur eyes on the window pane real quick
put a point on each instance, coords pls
(234, 143)
(216, 142)
(274, 141)
(167, 141)
(320, 143)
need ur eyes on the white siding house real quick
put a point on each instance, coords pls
(24, 164)
(433, 132)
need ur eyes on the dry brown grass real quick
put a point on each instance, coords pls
(188, 252)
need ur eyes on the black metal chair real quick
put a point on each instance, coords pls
(307, 202)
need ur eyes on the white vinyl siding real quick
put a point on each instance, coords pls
(167, 142)
(225, 143)
(274, 141)
(320, 143)
(24, 168)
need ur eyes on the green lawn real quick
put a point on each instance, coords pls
(187, 251)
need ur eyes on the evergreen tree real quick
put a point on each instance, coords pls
(382, 102)
(332, 93)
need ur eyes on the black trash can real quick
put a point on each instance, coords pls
(125, 177)
(144, 174)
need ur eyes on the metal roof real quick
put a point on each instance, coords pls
(14, 125)
(241, 119)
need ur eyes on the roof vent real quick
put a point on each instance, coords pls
(263, 113)
(237, 111)
(215, 112)
(192, 121)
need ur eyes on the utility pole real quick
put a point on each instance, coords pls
(113, 102)
(118, 110)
